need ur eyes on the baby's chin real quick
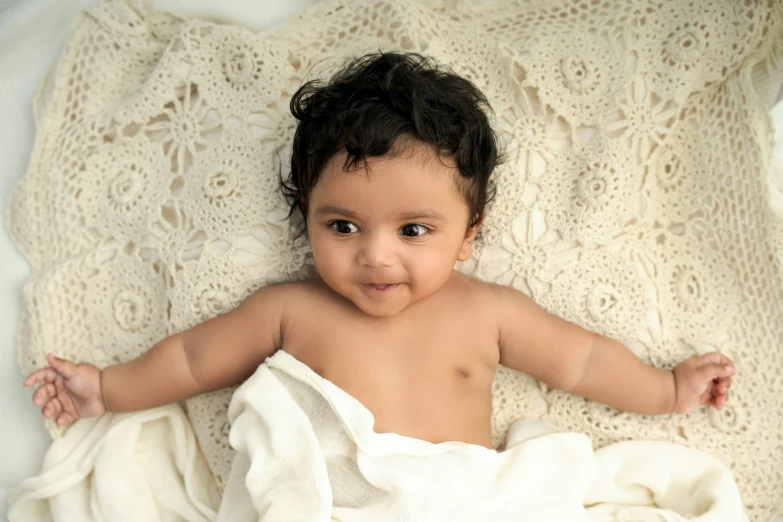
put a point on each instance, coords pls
(379, 304)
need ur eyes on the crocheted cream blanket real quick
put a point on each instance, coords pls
(635, 202)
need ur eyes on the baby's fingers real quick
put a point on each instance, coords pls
(43, 393)
(44, 374)
(66, 368)
(719, 400)
(64, 418)
(722, 385)
(712, 371)
(52, 408)
(717, 359)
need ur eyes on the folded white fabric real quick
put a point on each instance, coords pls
(128, 467)
(306, 450)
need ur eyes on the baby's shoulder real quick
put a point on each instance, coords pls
(313, 291)
(292, 297)
(286, 293)
(479, 292)
(472, 297)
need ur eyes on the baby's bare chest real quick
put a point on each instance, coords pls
(429, 378)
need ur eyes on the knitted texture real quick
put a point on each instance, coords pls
(635, 200)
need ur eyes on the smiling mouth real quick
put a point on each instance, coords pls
(379, 289)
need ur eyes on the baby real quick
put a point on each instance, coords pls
(391, 169)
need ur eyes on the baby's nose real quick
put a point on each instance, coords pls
(377, 251)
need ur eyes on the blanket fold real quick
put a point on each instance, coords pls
(307, 451)
(123, 467)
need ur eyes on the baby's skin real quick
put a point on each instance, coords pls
(391, 322)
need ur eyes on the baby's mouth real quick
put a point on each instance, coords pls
(379, 288)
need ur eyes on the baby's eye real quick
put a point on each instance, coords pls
(343, 227)
(414, 230)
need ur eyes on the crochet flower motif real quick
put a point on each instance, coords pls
(537, 133)
(221, 184)
(225, 191)
(686, 284)
(270, 250)
(593, 186)
(241, 65)
(273, 128)
(130, 309)
(672, 187)
(122, 182)
(589, 194)
(213, 301)
(607, 292)
(208, 286)
(575, 73)
(697, 292)
(528, 258)
(173, 239)
(642, 118)
(240, 74)
(215, 426)
(668, 169)
(125, 298)
(687, 46)
(183, 128)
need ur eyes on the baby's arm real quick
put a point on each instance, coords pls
(215, 354)
(568, 357)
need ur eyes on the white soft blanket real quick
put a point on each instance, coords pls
(129, 467)
(306, 450)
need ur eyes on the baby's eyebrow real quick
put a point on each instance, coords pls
(426, 213)
(417, 213)
(332, 209)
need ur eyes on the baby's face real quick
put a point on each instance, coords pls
(404, 225)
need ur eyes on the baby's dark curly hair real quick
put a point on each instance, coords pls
(373, 105)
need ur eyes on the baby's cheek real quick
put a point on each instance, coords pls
(428, 271)
(335, 269)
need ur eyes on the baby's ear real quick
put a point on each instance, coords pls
(467, 243)
(470, 235)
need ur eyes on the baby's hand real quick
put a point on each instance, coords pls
(72, 390)
(702, 380)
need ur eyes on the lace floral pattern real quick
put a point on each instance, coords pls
(634, 200)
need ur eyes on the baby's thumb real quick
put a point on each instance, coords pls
(711, 371)
(64, 367)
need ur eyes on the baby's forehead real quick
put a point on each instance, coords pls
(403, 183)
(415, 157)
(411, 172)
(405, 150)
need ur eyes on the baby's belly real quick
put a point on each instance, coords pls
(435, 416)
(440, 400)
